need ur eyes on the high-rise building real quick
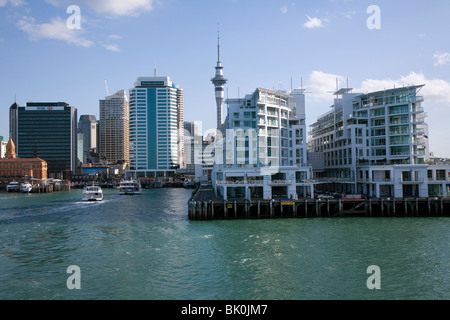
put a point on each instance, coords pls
(156, 121)
(87, 127)
(219, 82)
(13, 122)
(48, 130)
(114, 128)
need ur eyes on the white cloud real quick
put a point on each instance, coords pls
(284, 9)
(349, 14)
(323, 85)
(14, 3)
(111, 7)
(442, 58)
(112, 47)
(115, 37)
(313, 23)
(435, 89)
(57, 30)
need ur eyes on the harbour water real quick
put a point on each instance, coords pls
(144, 247)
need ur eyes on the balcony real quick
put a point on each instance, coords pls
(280, 182)
(373, 180)
(412, 180)
(419, 142)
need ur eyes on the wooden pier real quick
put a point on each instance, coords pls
(199, 208)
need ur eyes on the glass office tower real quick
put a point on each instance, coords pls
(48, 130)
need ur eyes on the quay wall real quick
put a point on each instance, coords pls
(312, 208)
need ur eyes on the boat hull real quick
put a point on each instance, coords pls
(92, 194)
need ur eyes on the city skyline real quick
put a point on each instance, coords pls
(270, 44)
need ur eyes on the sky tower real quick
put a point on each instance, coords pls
(219, 82)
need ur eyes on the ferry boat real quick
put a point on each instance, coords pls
(26, 187)
(13, 187)
(92, 193)
(130, 188)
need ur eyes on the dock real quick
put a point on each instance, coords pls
(204, 205)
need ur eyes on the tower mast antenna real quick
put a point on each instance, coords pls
(219, 82)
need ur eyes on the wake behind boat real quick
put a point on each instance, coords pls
(130, 188)
(92, 193)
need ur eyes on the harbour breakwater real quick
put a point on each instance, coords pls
(202, 208)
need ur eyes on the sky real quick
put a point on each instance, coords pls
(51, 51)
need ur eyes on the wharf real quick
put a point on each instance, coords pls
(206, 206)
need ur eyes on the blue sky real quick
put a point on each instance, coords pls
(265, 43)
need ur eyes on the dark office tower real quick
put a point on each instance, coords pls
(49, 129)
(88, 127)
(13, 122)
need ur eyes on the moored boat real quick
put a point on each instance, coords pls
(26, 187)
(13, 187)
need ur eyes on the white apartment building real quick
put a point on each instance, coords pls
(376, 144)
(264, 154)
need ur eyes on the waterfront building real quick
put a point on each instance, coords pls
(48, 130)
(114, 129)
(13, 168)
(264, 148)
(87, 130)
(156, 128)
(376, 144)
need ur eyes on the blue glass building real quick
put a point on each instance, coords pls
(156, 122)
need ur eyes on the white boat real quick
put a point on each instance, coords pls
(13, 187)
(130, 188)
(92, 193)
(26, 187)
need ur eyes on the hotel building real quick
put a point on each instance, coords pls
(376, 144)
(156, 128)
(264, 148)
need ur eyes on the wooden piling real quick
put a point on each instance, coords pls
(212, 210)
